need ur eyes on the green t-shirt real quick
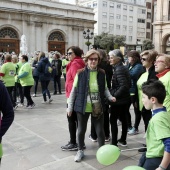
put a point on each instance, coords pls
(9, 70)
(166, 82)
(158, 129)
(27, 80)
(93, 88)
(64, 63)
(141, 80)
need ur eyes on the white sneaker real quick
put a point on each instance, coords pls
(50, 100)
(79, 156)
(119, 122)
(21, 104)
(34, 95)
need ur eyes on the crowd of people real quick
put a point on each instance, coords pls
(104, 87)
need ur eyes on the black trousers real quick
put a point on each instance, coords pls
(64, 74)
(57, 81)
(36, 79)
(44, 86)
(150, 163)
(137, 112)
(72, 126)
(118, 112)
(106, 125)
(18, 90)
(10, 89)
(27, 94)
(82, 126)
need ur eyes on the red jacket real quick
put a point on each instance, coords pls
(71, 70)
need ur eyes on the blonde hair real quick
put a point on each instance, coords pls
(15, 58)
(91, 52)
(167, 59)
(152, 54)
(41, 55)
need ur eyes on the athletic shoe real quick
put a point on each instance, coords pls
(44, 102)
(79, 156)
(122, 143)
(133, 131)
(129, 129)
(107, 139)
(15, 107)
(21, 104)
(70, 147)
(31, 106)
(119, 122)
(93, 140)
(34, 95)
(142, 150)
(50, 100)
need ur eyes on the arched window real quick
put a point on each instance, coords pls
(56, 36)
(8, 33)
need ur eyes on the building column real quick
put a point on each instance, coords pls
(38, 36)
(159, 14)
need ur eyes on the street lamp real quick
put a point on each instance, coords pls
(88, 35)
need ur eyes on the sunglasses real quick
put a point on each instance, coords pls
(144, 59)
(93, 59)
(69, 53)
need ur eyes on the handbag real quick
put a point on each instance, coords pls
(97, 110)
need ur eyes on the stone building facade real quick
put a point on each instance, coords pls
(47, 24)
(161, 32)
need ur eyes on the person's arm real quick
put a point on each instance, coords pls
(6, 109)
(109, 96)
(72, 96)
(71, 101)
(166, 157)
(2, 71)
(23, 75)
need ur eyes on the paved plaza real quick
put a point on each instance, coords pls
(33, 142)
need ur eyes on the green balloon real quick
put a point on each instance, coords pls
(107, 154)
(133, 168)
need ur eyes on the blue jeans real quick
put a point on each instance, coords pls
(150, 163)
(44, 86)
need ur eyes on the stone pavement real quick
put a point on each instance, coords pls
(33, 142)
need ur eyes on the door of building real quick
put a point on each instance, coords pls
(56, 42)
(9, 45)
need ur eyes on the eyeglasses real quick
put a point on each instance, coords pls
(93, 59)
(144, 59)
(160, 61)
(69, 53)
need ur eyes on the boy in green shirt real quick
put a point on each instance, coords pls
(157, 156)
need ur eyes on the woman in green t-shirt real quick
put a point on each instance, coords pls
(26, 80)
(89, 90)
(7, 73)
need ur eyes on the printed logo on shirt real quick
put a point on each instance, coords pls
(11, 73)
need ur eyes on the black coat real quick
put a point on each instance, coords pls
(35, 71)
(58, 65)
(120, 84)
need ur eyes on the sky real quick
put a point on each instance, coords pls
(68, 1)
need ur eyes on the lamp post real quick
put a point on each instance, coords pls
(88, 35)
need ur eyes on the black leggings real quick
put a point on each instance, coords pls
(72, 126)
(27, 94)
(118, 112)
(106, 125)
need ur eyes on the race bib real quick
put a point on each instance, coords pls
(94, 97)
(11, 72)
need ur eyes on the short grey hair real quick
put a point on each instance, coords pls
(117, 53)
